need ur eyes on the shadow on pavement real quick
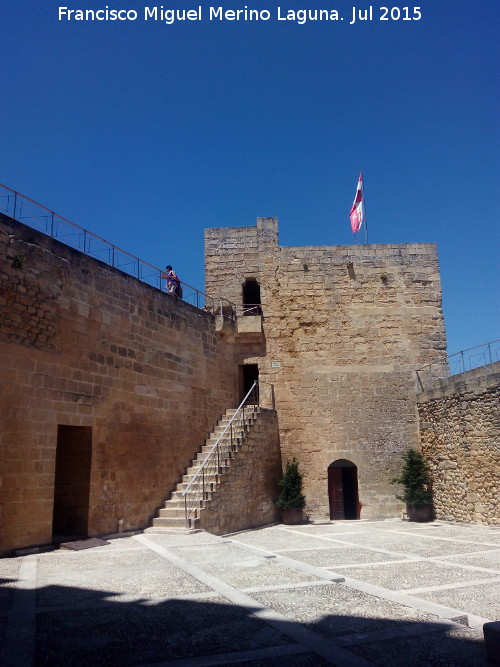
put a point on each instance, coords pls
(88, 627)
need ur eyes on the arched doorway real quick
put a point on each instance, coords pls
(343, 490)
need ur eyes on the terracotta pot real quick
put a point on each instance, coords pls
(421, 513)
(292, 515)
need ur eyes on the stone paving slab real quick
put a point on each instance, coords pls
(483, 599)
(214, 554)
(479, 539)
(3, 627)
(9, 571)
(335, 609)
(453, 531)
(455, 647)
(194, 599)
(58, 562)
(397, 524)
(402, 576)
(178, 539)
(327, 529)
(257, 573)
(9, 568)
(489, 560)
(336, 556)
(120, 544)
(131, 633)
(290, 656)
(412, 545)
(277, 538)
(117, 584)
(303, 660)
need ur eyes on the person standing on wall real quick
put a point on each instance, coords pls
(173, 284)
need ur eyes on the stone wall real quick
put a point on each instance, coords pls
(344, 329)
(85, 345)
(460, 436)
(247, 493)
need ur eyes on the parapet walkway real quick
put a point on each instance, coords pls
(356, 593)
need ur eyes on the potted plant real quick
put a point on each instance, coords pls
(291, 500)
(416, 480)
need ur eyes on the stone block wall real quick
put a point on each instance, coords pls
(460, 436)
(246, 496)
(85, 345)
(344, 329)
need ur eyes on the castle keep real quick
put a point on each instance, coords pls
(338, 332)
(109, 387)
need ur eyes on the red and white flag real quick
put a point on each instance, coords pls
(357, 213)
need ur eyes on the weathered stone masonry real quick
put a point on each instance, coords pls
(344, 329)
(98, 369)
(246, 496)
(85, 345)
(460, 435)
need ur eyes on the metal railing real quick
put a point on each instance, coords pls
(250, 309)
(205, 479)
(429, 376)
(39, 217)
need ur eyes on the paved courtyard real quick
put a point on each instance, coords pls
(388, 593)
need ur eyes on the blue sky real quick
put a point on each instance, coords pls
(146, 133)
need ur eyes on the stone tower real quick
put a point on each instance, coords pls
(334, 335)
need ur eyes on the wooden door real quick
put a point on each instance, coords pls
(336, 493)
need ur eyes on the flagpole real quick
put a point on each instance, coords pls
(364, 207)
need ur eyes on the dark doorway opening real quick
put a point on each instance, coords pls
(249, 373)
(72, 481)
(251, 297)
(343, 490)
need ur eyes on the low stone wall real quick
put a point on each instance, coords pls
(460, 436)
(247, 494)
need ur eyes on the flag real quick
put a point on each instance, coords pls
(357, 213)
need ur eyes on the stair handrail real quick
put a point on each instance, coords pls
(240, 408)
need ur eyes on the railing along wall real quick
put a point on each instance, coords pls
(205, 479)
(429, 377)
(249, 309)
(39, 217)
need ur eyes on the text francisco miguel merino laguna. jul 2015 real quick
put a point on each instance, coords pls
(169, 15)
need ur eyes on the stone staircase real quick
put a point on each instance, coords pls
(173, 514)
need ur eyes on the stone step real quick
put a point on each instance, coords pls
(171, 516)
(174, 504)
(182, 485)
(210, 442)
(170, 522)
(212, 464)
(238, 440)
(160, 524)
(172, 512)
(189, 476)
(177, 496)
